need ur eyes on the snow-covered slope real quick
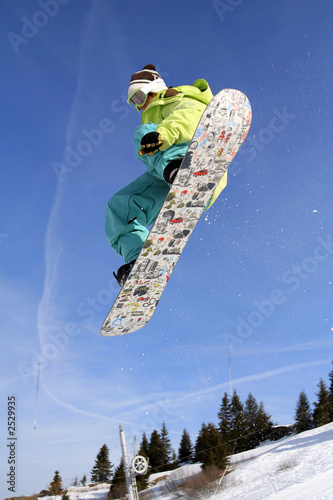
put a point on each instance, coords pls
(96, 492)
(299, 467)
(296, 468)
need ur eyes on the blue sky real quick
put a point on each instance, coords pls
(256, 277)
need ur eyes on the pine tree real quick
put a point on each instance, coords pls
(237, 430)
(225, 419)
(257, 424)
(251, 410)
(156, 452)
(209, 449)
(264, 423)
(119, 474)
(321, 406)
(101, 472)
(144, 446)
(200, 444)
(303, 419)
(84, 480)
(166, 445)
(56, 485)
(118, 485)
(185, 452)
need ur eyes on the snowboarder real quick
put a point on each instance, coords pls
(169, 119)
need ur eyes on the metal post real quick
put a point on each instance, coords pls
(127, 467)
(132, 490)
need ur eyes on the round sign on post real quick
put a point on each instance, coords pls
(139, 464)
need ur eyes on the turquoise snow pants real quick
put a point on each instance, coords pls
(137, 205)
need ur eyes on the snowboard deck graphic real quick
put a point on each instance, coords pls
(220, 133)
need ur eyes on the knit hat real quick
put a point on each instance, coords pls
(147, 75)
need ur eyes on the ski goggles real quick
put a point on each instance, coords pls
(139, 97)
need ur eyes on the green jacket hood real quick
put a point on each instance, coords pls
(199, 90)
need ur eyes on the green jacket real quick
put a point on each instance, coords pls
(177, 112)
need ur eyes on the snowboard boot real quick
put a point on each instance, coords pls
(171, 170)
(123, 272)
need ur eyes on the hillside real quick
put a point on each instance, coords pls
(299, 467)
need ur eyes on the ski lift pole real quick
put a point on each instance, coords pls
(127, 466)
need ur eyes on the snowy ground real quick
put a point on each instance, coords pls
(98, 492)
(298, 468)
(295, 468)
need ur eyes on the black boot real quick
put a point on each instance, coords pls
(171, 170)
(123, 272)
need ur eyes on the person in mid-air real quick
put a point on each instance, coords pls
(169, 119)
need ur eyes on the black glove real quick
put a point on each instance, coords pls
(150, 143)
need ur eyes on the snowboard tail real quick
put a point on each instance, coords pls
(220, 133)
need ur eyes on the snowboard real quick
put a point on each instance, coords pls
(220, 133)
